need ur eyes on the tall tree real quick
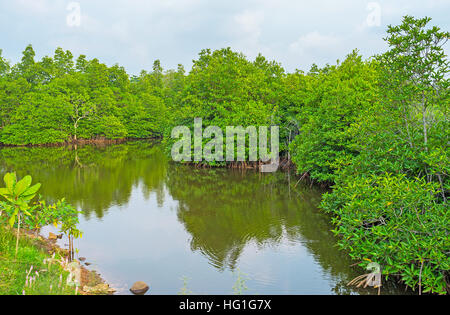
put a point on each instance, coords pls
(415, 75)
(26, 68)
(4, 64)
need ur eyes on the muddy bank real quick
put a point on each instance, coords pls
(100, 141)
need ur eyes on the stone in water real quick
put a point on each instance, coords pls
(139, 288)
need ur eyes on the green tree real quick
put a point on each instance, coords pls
(26, 68)
(4, 65)
(416, 88)
(330, 101)
(63, 61)
(389, 197)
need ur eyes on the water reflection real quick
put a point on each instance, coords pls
(224, 210)
(146, 217)
(93, 178)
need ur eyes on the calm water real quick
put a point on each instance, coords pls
(145, 219)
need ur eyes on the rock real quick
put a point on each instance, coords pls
(81, 258)
(52, 236)
(87, 264)
(60, 236)
(99, 289)
(139, 288)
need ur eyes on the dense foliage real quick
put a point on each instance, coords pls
(390, 200)
(58, 99)
(331, 100)
(376, 130)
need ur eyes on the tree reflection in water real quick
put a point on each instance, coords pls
(223, 210)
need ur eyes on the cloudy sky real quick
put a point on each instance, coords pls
(134, 33)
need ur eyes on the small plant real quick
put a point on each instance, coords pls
(16, 209)
(68, 218)
(18, 194)
(184, 290)
(239, 286)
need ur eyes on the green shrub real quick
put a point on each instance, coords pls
(332, 102)
(396, 222)
(112, 128)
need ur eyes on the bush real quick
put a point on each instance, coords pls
(396, 222)
(112, 128)
(333, 100)
(26, 133)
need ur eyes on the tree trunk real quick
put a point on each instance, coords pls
(425, 130)
(18, 235)
(75, 127)
(424, 122)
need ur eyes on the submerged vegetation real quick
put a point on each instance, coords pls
(374, 130)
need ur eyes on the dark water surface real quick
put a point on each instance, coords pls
(145, 219)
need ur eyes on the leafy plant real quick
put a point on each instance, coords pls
(396, 222)
(239, 286)
(68, 218)
(18, 211)
(18, 195)
(185, 290)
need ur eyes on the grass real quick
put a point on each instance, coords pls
(49, 280)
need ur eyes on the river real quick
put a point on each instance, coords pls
(147, 219)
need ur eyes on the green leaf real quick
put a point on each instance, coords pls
(4, 191)
(22, 204)
(28, 198)
(22, 185)
(12, 220)
(32, 190)
(10, 181)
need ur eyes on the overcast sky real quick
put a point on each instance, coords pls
(134, 33)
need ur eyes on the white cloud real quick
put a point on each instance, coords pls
(244, 30)
(135, 32)
(36, 6)
(313, 41)
(249, 23)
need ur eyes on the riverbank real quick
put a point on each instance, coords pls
(96, 141)
(39, 268)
